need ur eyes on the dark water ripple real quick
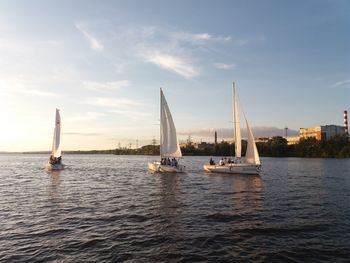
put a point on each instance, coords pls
(110, 209)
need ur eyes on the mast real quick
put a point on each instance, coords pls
(161, 118)
(236, 124)
(57, 135)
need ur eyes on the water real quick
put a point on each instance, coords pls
(105, 208)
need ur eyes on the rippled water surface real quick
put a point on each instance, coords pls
(106, 208)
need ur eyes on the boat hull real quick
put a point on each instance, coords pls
(232, 168)
(160, 168)
(54, 167)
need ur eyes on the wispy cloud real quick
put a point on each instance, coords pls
(88, 116)
(23, 85)
(36, 92)
(224, 66)
(95, 44)
(111, 103)
(83, 133)
(132, 114)
(344, 83)
(172, 63)
(198, 37)
(114, 85)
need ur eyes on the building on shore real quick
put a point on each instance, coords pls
(203, 146)
(322, 132)
(262, 139)
(292, 140)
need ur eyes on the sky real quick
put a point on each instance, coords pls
(102, 64)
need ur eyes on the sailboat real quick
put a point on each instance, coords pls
(251, 163)
(170, 151)
(55, 160)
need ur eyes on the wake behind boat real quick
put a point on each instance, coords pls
(55, 160)
(251, 163)
(170, 151)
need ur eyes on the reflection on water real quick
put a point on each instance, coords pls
(247, 193)
(106, 208)
(169, 210)
(54, 186)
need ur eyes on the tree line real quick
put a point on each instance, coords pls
(335, 147)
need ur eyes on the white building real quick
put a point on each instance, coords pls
(322, 132)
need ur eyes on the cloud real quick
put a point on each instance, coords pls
(111, 102)
(198, 37)
(132, 114)
(26, 84)
(345, 83)
(83, 133)
(227, 133)
(172, 63)
(88, 116)
(224, 66)
(114, 85)
(38, 93)
(94, 42)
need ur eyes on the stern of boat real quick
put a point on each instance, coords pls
(159, 168)
(54, 167)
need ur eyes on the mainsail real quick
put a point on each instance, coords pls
(56, 150)
(169, 145)
(237, 127)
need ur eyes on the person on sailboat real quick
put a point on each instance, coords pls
(52, 159)
(173, 162)
(211, 161)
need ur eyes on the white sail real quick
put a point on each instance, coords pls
(252, 155)
(236, 123)
(56, 150)
(169, 145)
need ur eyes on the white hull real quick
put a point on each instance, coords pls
(240, 168)
(159, 168)
(54, 167)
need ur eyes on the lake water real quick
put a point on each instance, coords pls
(105, 208)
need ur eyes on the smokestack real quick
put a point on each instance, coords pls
(346, 122)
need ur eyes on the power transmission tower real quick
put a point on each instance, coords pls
(154, 141)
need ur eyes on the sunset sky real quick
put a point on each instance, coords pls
(102, 64)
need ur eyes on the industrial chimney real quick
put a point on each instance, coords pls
(346, 122)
